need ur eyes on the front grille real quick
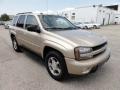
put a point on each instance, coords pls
(98, 53)
(99, 47)
(97, 50)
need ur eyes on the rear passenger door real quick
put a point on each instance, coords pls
(20, 32)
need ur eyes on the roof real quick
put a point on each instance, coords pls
(38, 13)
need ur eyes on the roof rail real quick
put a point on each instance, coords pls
(24, 13)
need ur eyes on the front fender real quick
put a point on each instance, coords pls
(66, 50)
(12, 30)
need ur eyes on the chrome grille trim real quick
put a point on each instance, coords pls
(99, 46)
(99, 50)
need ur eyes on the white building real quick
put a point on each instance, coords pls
(97, 13)
(117, 16)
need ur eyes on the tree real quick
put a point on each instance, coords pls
(4, 17)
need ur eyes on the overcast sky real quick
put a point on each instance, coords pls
(15, 6)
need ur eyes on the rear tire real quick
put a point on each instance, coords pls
(86, 27)
(95, 27)
(56, 65)
(16, 47)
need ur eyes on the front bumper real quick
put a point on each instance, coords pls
(84, 67)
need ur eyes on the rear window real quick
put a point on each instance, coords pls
(14, 20)
(21, 20)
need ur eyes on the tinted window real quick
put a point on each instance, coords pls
(31, 21)
(20, 22)
(15, 20)
(53, 22)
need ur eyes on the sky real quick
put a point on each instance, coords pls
(16, 6)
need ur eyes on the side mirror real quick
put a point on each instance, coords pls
(33, 28)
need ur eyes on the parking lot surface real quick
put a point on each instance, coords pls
(26, 71)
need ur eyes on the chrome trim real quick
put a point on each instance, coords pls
(99, 50)
(96, 52)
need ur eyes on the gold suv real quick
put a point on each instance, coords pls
(65, 48)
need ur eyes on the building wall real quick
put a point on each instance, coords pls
(105, 16)
(118, 8)
(117, 16)
(84, 14)
(96, 14)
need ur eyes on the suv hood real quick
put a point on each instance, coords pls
(82, 38)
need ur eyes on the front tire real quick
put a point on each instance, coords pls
(16, 47)
(56, 65)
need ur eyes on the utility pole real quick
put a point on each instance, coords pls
(47, 5)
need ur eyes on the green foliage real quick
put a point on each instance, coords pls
(4, 17)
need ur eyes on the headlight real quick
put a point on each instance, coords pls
(83, 53)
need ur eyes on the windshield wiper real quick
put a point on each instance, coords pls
(54, 28)
(71, 28)
(68, 28)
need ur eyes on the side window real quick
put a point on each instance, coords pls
(14, 20)
(20, 22)
(31, 22)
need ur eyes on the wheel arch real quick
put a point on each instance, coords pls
(12, 36)
(48, 49)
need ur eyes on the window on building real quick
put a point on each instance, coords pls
(94, 5)
(73, 13)
(66, 15)
(73, 17)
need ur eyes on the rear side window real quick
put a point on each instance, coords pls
(31, 21)
(20, 22)
(14, 20)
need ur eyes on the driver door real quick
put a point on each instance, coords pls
(33, 38)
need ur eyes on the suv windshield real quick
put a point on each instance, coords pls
(53, 22)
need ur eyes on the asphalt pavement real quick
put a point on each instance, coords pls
(26, 71)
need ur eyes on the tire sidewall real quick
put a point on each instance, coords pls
(95, 27)
(86, 27)
(14, 40)
(61, 60)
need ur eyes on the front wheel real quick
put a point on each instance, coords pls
(56, 66)
(15, 45)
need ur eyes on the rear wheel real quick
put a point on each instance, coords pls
(56, 66)
(86, 27)
(15, 45)
(95, 27)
